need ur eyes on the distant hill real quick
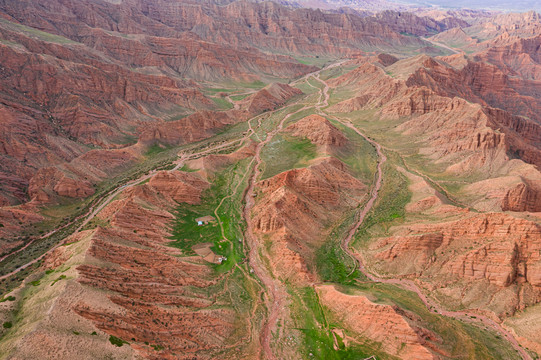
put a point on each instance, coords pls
(518, 5)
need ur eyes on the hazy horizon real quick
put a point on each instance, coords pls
(501, 5)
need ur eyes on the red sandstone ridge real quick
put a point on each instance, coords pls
(408, 22)
(495, 249)
(319, 130)
(47, 180)
(295, 209)
(517, 57)
(481, 83)
(267, 26)
(378, 322)
(467, 137)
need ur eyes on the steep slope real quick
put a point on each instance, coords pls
(455, 155)
(295, 209)
(319, 130)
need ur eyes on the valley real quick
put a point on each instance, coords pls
(368, 193)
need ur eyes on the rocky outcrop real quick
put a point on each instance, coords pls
(526, 196)
(295, 208)
(179, 186)
(481, 83)
(266, 26)
(268, 98)
(204, 124)
(387, 59)
(494, 247)
(49, 182)
(408, 22)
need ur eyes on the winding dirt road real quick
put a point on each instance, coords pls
(405, 283)
(276, 295)
(107, 198)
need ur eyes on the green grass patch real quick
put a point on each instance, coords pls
(61, 277)
(238, 97)
(331, 264)
(7, 325)
(222, 103)
(156, 149)
(187, 233)
(38, 34)
(286, 152)
(310, 318)
(8, 298)
(186, 168)
(217, 90)
(316, 60)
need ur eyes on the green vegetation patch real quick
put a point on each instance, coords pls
(390, 207)
(239, 97)
(8, 298)
(7, 325)
(156, 149)
(61, 277)
(222, 103)
(186, 231)
(117, 341)
(286, 152)
(40, 35)
(331, 264)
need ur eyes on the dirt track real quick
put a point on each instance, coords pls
(404, 283)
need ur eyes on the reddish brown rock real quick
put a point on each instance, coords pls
(319, 130)
(155, 293)
(295, 208)
(204, 124)
(269, 98)
(497, 248)
(179, 186)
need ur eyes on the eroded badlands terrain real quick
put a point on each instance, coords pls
(245, 180)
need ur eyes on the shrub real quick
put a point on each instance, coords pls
(116, 341)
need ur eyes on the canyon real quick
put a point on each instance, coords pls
(227, 179)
